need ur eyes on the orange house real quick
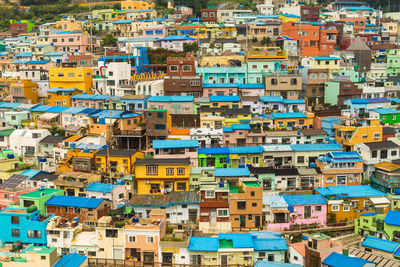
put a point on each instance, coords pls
(346, 203)
(142, 237)
(340, 168)
(314, 40)
(358, 23)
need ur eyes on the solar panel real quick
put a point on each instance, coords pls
(14, 181)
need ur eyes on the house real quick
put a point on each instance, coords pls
(379, 246)
(297, 252)
(292, 120)
(34, 254)
(277, 179)
(79, 78)
(242, 134)
(72, 41)
(217, 157)
(76, 258)
(275, 211)
(269, 246)
(278, 155)
(341, 168)
(158, 124)
(176, 104)
(203, 250)
(287, 86)
(346, 203)
(25, 91)
(103, 191)
(246, 156)
(207, 137)
(245, 205)
(306, 210)
(134, 103)
(318, 247)
(336, 260)
(120, 161)
(61, 96)
(111, 239)
(176, 42)
(386, 177)
(235, 248)
(177, 149)
(180, 207)
(385, 115)
(39, 198)
(87, 210)
(25, 225)
(142, 237)
(231, 175)
(307, 154)
(230, 102)
(60, 234)
(377, 152)
(161, 176)
(27, 142)
(214, 208)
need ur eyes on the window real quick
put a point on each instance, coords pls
(60, 74)
(151, 170)
(318, 208)
(374, 154)
(252, 193)
(71, 75)
(187, 68)
(181, 171)
(15, 232)
(300, 159)
(254, 204)
(346, 208)
(274, 81)
(393, 153)
(111, 233)
(170, 171)
(293, 81)
(255, 160)
(210, 194)
(384, 154)
(77, 210)
(160, 115)
(335, 207)
(181, 186)
(14, 219)
(125, 161)
(173, 68)
(241, 205)
(132, 238)
(223, 212)
(150, 239)
(159, 126)
(43, 257)
(377, 135)
(34, 233)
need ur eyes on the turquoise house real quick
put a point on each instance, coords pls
(223, 74)
(39, 198)
(269, 246)
(15, 118)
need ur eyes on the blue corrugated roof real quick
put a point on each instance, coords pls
(164, 144)
(293, 101)
(236, 127)
(10, 105)
(252, 86)
(270, 244)
(392, 217)
(273, 99)
(304, 199)
(75, 202)
(71, 260)
(396, 100)
(380, 244)
(57, 109)
(37, 62)
(397, 253)
(368, 213)
(359, 101)
(54, 54)
(239, 240)
(352, 8)
(213, 150)
(31, 173)
(90, 97)
(385, 111)
(197, 243)
(177, 38)
(350, 191)
(231, 172)
(41, 108)
(100, 187)
(346, 155)
(288, 115)
(316, 147)
(224, 98)
(338, 260)
(115, 114)
(171, 99)
(220, 85)
(326, 58)
(56, 90)
(73, 110)
(24, 54)
(246, 150)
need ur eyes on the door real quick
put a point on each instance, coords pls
(224, 260)
(192, 214)
(117, 252)
(169, 187)
(257, 222)
(213, 217)
(242, 220)
(167, 257)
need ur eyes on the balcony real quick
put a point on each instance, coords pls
(266, 52)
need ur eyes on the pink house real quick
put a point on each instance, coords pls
(154, 31)
(220, 89)
(176, 149)
(243, 135)
(73, 41)
(8, 197)
(308, 210)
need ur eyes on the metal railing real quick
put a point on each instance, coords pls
(92, 262)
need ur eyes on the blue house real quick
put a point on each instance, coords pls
(25, 225)
(379, 246)
(138, 59)
(327, 125)
(270, 246)
(338, 260)
(135, 103)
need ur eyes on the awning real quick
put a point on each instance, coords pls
(280, 211)
(48, 116)
(379, 200)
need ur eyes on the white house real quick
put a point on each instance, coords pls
(100, 190)
(25, 142)
(60, 234)
(207, 137)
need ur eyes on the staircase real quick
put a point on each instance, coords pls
(347, 241)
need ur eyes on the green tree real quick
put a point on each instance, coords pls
(190, 47)
(108, 40)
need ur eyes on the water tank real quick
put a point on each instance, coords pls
(397, 191)
(86, 150)
(42, 160)
(221, 184)
(332, 141)
(31, 209)
(120, 182)
(298, 132)
(304, 237)
(10, 156)
(42, 188)
(135, 219)
(76, 219)
(72, 145)
(313, 165)
(102, 121)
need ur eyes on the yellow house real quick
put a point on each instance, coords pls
(61, 96)
(142, 14)
(332, 64)
(136, 5)
(286, 120)
(79, 78)
(121, 161)
(159, 176)
(288, 17)
(75, 183)
(69, 25)
(222, 101)
(348, 136)
(237, 116)
(24, 91)
(119, 15)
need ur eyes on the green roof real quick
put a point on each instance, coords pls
(39, 250)
(234, 189)
(38, 193)
(7, 132)
(251, 184)
(223, 243)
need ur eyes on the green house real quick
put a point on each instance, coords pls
(39, 198)
(201, 175)
(217, 157)
(370, 223)
(386, 115)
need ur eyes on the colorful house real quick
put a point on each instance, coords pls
(346, 203)
(177, 149)
(61, 96)
(79, 78)
(341, 168)
(121, 161)
(217, 157)
(161, 176)
(386, 115)
(292, 120)
(231, 102)
(39, 198)
(24, 91)
(246, 156)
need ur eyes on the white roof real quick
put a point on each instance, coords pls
(379, 200)
(49, 116)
